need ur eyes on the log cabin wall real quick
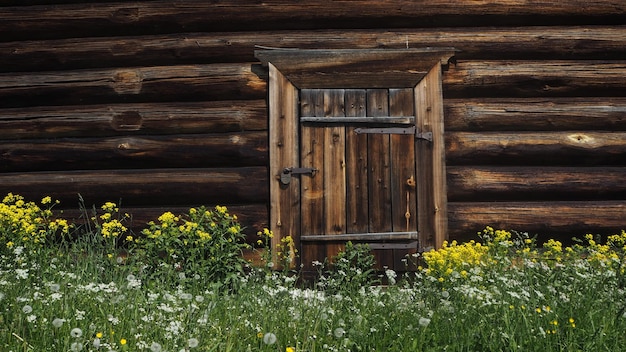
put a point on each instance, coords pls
(161, 103)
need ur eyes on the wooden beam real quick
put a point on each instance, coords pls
(514, 183)
(176, 187)
(536, 114)
(554, 42)
(186, 151)
(132, 119)
(544, 218)
(354, 68)
(142, 17)
(536, 148)
(132, 84)
(535, 79)
(225, 81)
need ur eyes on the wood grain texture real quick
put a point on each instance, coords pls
(285, 152)
(532, 114)
(133, 119)
(136, 84)
(312, 201)
(173, 187)
(572, 148)
(544, 183)
(20, 23)
(553, 218)
(535, 78)
(135, 152)
(531, 42)
(431, 162)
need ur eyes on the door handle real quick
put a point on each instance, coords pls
(285, 176)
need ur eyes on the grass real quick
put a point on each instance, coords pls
(504, 294)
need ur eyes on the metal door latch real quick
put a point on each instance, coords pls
(285, 176)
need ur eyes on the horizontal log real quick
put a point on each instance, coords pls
(110, 19)
(482, 183)
(252, 217)
(238, 81)
(584, 42)
(546, 219)
(527, 114)
(131, 152)
(132, 119)
(535, 79)
(536, 148)
(140, 84)
(158, 187)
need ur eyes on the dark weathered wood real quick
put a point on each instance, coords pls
(545, 218)
(228, 81)
(334, 170)
(584, 42)
(173, 187)
(432, 221)
(284, 152)
(370, 236)
(162, 83)
(107, 19)
(403, 176)
(252, 217)
(481, 183)
(536, 148)
(312, 147)
(192, 150)
(553, 114)
(354, 68)
(535, 78)
(357, 171)
(132, 119)
(379, 163)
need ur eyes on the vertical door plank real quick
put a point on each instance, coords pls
(356, 166)
(403, 173)
(379, 186)
(431, 167)
(312, 209)
(283, 147)
(378, 164)
(334, 170)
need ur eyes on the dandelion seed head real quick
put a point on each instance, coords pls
(269, 338)
(193, 342)
(76, 346)
(339, 332)
(76, 332)
(27, 309)
(424, 321)
(155, 347)
(58, 322)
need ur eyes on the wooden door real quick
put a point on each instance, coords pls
(361, 144)
(356, 150)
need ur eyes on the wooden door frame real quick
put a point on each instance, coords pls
(294, 69)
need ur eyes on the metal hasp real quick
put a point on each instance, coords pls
(285, 176)
(396, 130)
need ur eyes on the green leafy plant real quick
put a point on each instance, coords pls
(350, 270)
(208, 243)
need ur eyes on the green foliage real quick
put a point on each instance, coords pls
(208, 243)
(350, 270)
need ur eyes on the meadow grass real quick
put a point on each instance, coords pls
(503, 294)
